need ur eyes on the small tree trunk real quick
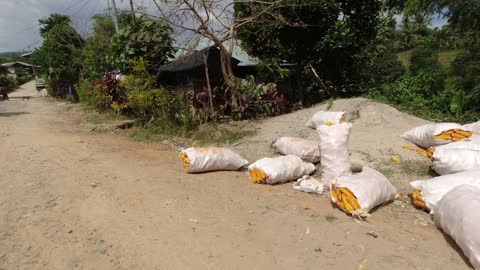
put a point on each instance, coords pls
(229, 76)
(210, 96)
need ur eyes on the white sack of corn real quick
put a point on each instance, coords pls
(335, 160)
(473, 127)
(448, 161)
(279, 169)
(434, 189)
(305, 149)
(206, 159)
(360, 193)
(436, 134)
(323, 117)
(458, 216)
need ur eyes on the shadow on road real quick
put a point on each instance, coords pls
(7, 114)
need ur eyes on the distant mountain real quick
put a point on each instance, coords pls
(10, 54)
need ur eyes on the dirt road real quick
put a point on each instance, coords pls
(72, 199)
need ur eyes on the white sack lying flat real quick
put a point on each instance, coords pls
(458, 216)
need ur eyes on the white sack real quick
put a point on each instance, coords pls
(451, 160)
(308, 184)
(473, 127)
(205, 159)
(370, 187)
(283, 169)
(424, 136)
(458, 216)
(434, 189)
(335, 160)
(305, 149)
(323, 117)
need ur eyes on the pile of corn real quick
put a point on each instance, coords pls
(345, 199)
(258, 176)
(185, 159)
(417, 199)
(454, 135)
(427, 153)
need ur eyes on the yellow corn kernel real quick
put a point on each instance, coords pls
(395, 159)
(466, 134)
(443, 137)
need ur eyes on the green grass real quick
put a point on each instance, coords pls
(212, 134)
(102, 117)
(205, 135)
(445, 58)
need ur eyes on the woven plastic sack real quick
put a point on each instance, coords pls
(305, 149)
(335, 160)
(424, 136)
(370, 188)
(453, 160)
(323, 117)
(434, 189)
(473, 127)
(458, 216)
(279, 169)
(205, 159)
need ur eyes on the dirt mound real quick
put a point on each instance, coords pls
(375, 137)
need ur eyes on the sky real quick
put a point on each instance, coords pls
(19, 19)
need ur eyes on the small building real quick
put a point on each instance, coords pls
(189, 71)
(11, 69)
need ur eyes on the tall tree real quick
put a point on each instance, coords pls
(148, 39)
(61, 52)
(51, 21)
(325, 35)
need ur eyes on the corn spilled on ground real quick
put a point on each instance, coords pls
(427, 153)
(258, 176)
(345, 199)
(417, 199)
(454, 135)
(185, 159)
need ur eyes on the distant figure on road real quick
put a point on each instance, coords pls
(3, 93)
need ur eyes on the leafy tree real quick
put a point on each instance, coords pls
(146, 39)
(327, 36)
(60, 53)
(97, 47)
(51, 21)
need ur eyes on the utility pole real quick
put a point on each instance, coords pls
(114, 15)
(133, 11)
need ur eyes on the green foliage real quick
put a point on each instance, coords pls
(107, 94)
(98, 44)
(23, 76)
(422, 59)
(7, 83)
(384, 68)
(327, 36)
(147, 39)
(457, 103)
(47, 24)
(61, 52)
(156, 106)
(259, 100)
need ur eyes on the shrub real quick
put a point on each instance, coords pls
(106, 93)
(6, 82)
(259, 100)
(424, 59)
(386, 68)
